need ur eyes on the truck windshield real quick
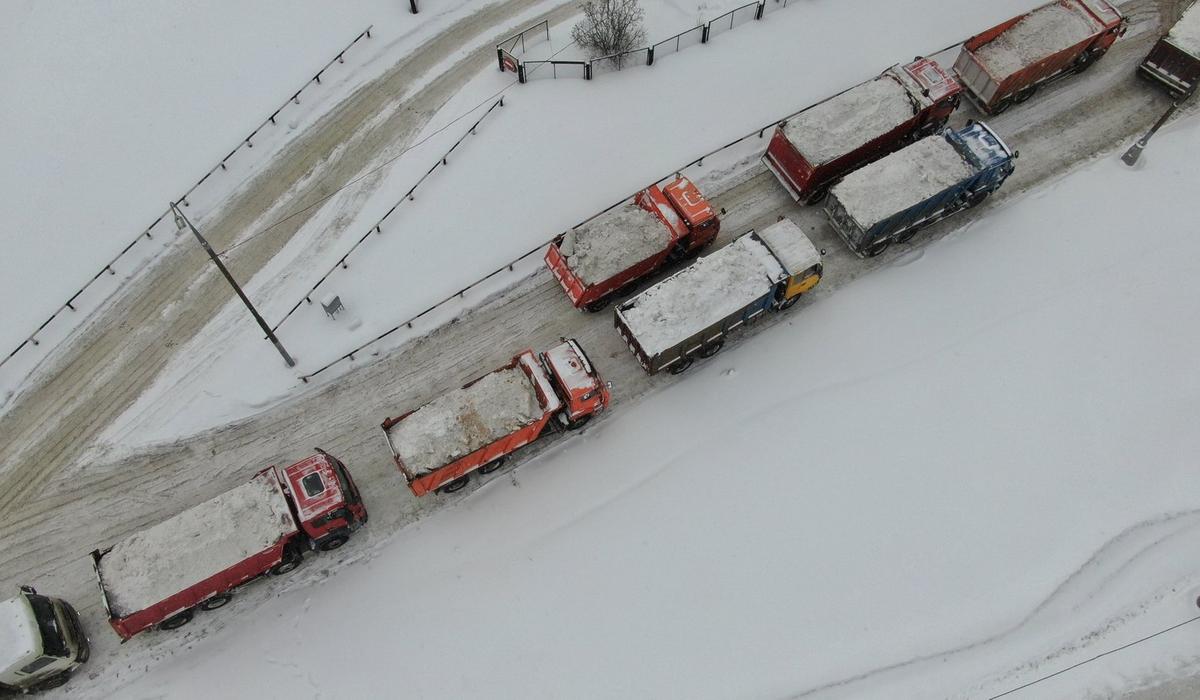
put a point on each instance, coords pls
(347, 490)
(53, 643)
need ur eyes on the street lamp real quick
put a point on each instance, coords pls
(180, 222)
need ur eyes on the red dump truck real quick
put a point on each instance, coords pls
(160, 576)
(826, 141)
(1175, 59)
(613, 251)
(1006, 64)
(438, 445)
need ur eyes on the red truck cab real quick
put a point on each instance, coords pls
(583, 392)
(661, 225)
(326, 499)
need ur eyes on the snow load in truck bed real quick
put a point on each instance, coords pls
(152, 565)
(902, 180)
(1185, 35)
(613, 242)
(846, 122)
(458, 423)
(710, 289)
(1041, 34)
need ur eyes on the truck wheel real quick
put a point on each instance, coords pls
(286, 566)
(681, 366)
(598, 305)
(178, 620)
(333, 543)
(907, 235)
(456, 485)
(878, 247)
(712, 349)
(1024, 94)
(218, 601)
(977, 199)
(1086, 59)
(1002, 106)
(818, 195)
(492, 466)
(788, 303)
(577, 424)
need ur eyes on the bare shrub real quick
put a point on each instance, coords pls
(610, 26)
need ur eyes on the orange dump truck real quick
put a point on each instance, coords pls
(611, 252)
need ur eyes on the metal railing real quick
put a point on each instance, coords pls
(377, 228)
(147, 233)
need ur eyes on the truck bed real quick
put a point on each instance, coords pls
(1039, 35)
(701, 295)
(902, 180)
(150, 566)
(844, 123)
(614, 242)
(464, 420)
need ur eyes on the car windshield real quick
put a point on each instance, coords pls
(47, 622)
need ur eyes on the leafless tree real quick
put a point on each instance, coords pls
(610, 26)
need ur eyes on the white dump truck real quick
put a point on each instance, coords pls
(41, 642)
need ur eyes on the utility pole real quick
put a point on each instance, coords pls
(180, 222)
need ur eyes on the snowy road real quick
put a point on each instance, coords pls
(54, 513)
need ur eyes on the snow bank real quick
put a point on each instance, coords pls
(846, 122)
(901, 180)
(154, 564)
(1186, 32)
(790, 246)
(464, 420)
(701, 295)
(614, 242)
(16, 633)
(1041, 34)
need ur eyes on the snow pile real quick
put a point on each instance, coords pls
(1185, 34)
(844, 123)
(150, 566)
(613, 242)
(1041, 34)
(709, 290)
(791, 246)
(458, 423)
(16, 632)
(902, 180)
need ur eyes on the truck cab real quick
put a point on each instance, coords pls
(326, 500)
(701, 220)
(985, 150)
(41, 642)
(934, 84)
(579, 385)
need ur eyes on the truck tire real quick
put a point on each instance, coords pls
(1023, 95)
(711, 349)
(878, 247)
(788, 303)
(492, 465)
(1086, 60)
(177, 620)
(456, 485)
(598, 305)
(335, 542)
(220, 600)
(681, 366)
(818, 195)
(577, 424)
(286, 566)
(1002, 106)
(976, 199)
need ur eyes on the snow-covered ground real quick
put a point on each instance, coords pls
(967, 471)
(558, 152)
(114, 109)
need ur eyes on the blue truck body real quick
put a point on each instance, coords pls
(988, 160)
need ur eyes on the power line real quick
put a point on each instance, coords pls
(379, 167)
(1097, 656)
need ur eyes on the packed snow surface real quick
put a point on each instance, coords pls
(844, 123)
(902, 180)
(16, 633)
(1186, 32)
(712, 288)
(458, 423)
(791, 246)
(149, 566)
(613, 242)
(1041, 34)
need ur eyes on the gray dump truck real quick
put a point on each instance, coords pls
(689, 314)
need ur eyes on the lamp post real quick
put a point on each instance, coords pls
(180, 222)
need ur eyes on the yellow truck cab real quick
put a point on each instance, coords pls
(41, 642)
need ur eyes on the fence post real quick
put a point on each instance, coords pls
(500, 58)
(704, 33)
(587, 71)
(521, 72)
(762, 6)
(650, 56)
(413, 5)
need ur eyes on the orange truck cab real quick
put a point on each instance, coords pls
(608, 254)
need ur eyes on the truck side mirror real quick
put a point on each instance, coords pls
(28, 590)
(1016, 154)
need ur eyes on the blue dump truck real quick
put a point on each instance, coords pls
(893, 198)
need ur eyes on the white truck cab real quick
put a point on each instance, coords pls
(41, 642)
